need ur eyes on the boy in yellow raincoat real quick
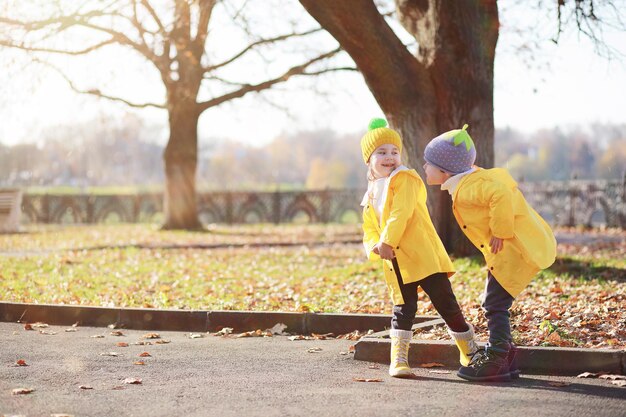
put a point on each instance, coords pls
(515, 241)
(398, 229)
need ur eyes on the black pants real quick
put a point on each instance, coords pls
(439, 290)
(497, 302)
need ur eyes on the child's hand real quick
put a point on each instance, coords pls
(375, 250)
(385, 251)
(496, 244)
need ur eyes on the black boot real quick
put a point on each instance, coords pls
(491, 364)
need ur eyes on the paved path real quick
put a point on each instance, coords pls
(257, 377)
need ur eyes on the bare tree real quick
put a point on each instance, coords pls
(447, 82)
(172, 36)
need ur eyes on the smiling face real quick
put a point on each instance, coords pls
(384, 160)
(435, 176)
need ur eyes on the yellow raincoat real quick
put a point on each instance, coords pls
(406, 226)
(488, 203)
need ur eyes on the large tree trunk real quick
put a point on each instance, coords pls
(180, 157)
(448, 83)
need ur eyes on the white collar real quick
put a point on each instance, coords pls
(451, 183)
(365, 199)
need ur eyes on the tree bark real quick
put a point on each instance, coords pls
(180, 158)
(448, 83)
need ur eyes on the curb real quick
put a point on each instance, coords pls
(531, 360)
(194, 320)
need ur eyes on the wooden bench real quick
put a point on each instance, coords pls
(10, 210)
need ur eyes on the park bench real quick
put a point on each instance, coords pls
(10, 210)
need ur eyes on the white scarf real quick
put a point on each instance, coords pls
(453, 182)
(377, 191)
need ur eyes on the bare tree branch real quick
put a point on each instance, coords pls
(58, 51)
(297, 70)
(96, 92)
(206, 9)
(260, 42)
(588, 23)
(324, 71)
(155, 17)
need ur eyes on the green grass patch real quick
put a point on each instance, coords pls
(577, 302)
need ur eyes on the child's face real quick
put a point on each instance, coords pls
(435, 176)
(384, 160)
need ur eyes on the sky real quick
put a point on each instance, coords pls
(565, 85)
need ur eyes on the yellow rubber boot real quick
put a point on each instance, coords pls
(399, 364)
(466, 342)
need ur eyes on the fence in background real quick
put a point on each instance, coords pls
(564, 203)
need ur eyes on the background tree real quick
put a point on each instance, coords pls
(172, 36)
(447, 82)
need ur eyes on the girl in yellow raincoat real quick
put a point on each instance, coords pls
(515, 241)
(398, 229)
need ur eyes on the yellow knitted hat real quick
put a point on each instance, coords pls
(378, 134)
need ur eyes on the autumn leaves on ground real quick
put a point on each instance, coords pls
(577, 302)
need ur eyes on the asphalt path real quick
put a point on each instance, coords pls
(256, 376)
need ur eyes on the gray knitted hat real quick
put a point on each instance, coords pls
(453, 151)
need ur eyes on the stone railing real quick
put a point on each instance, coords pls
(570, 203)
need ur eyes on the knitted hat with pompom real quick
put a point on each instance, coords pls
(453, 152)
(378, 134)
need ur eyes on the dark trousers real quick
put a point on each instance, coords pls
(497, 302)
(439, 290)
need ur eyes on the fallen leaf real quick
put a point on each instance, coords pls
(21, 362)
(39, 325)
(278, 328)
(144, 343)
(431, 365)
(85, 387)
(195, 336)
(117, 333)
(121, 344)
(139, 363)
(28, 326)
(437, 371)
(109, 354)
(151, 336)
(554, 337)
(224, 331)
(323, 336)
(558, 384)
(47, 332)
(619, 383)
(613, 377)
(20, 391)
(118, 387)
(314, 349)
(144, 355)
(588, 375)
(374, 366)
(298, 337)
(160, 342)
(367, 379)
(97, 336)
(71, 330)
(344, 353)
(352, 348)
(61, 415)
(133, 381)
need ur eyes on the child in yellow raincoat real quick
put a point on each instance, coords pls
(398, 229)
(515, 241)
